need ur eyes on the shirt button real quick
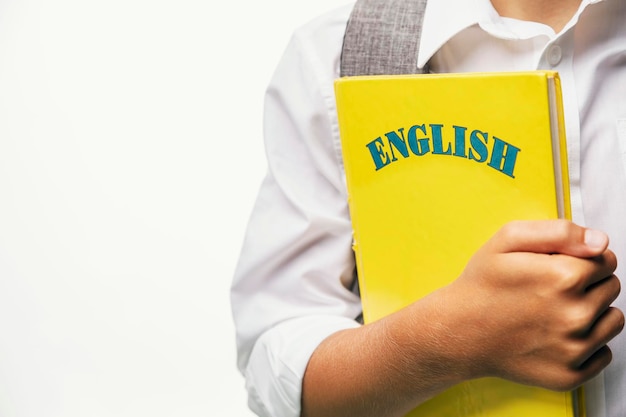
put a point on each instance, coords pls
(554, 55)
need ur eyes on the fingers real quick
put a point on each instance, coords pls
(582, 358)
(609, 325)
(564, 275)
(589, 351)
(572, 378)
(549, 237)
(602, 294)
(581, 275)
(588, 305)
(596, 363)
(603, 267)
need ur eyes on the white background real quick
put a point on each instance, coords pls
(130, 154)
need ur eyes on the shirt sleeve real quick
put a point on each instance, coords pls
(291, 285)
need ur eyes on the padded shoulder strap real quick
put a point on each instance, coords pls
(382, 37)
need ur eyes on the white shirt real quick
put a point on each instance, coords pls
(290, 288)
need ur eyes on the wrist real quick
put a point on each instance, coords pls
(430, 337)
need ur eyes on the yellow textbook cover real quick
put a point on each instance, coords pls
(435, 165)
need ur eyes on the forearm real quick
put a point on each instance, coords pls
(387, 368)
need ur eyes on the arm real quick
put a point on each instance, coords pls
(291, 285)
(532, 306)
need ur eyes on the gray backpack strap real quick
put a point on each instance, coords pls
(382, 37)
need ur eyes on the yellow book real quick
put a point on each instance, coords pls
(435, 165)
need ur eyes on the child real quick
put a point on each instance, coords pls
(537, 304)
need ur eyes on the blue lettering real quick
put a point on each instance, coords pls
(459, 141)
(418, 146)
(379, 156)
(503, 157)
(478, 141)
(438, 141)
(397, 142)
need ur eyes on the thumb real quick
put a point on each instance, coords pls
(551, 236)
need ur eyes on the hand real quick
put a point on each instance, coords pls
(534, 305)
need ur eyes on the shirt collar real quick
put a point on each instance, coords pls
(439, 25)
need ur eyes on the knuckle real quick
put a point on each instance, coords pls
(575, 353)
(511, 230)
(579, 319)
(565, 229)
(572, 374)
(565, 276)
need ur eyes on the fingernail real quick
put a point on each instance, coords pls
(596, 239)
